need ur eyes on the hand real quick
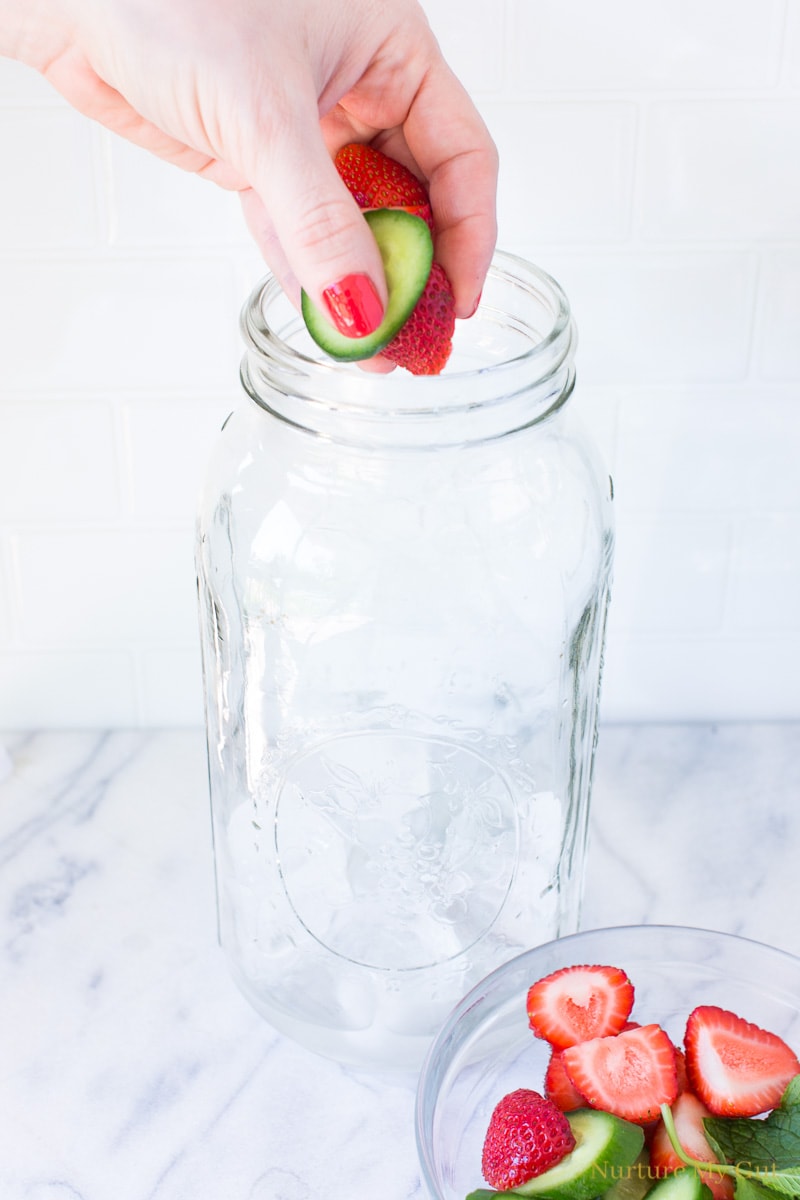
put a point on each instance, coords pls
(258, 95)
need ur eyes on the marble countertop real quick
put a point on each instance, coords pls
(130, 1067)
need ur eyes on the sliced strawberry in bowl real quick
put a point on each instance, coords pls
(736, 1068)
(680, 1067)
(527, 1135)
(629, 1074)
(578, 1003)
(558, 1086)
(688, 1113)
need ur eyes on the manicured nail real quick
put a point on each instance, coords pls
(354, 306)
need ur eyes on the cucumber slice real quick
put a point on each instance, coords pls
(684, 1184)
(406, 248)
(605, 1147)
(634, 1182)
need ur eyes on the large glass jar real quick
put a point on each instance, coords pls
(403, 588)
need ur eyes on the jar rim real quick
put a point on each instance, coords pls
(520, 341)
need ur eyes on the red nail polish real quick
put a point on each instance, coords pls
(354, 306)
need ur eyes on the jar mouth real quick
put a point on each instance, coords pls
(520, 342)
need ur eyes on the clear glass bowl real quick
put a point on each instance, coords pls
(486, 1049)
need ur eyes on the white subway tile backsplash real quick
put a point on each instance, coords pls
(249, 269)
(791, 46)
(6, 613)
(20, 85)
(722, 169)
(58, 461)
(701, 678)
(778, 335)
(659, 317)
(597, 410)
(157, 204)
(65, 689)
(49, 197)
(473, 46)
(118, 323)
(670, 574)
(106, 588)
(168, 442)
(622, 44)
(171, 685)
(768, 453)
(566, 170)
(713, 450)
(765, 575)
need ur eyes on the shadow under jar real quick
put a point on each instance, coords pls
(403, 586)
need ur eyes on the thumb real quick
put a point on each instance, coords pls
(312, 233)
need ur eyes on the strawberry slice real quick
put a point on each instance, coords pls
(630, 1074)
(376, 181)
(558, 1086)
(421, 210)
(527, 1135)
(578, 1003)
(680, 1067)
(424, 343)
(688, 1113)
(736, 1068)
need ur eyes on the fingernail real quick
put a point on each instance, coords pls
(354, 306)
(475, 305)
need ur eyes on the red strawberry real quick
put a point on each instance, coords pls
(630, 1074)
(526, 1136)
(578, 1003)
(737, 1069)
(680, 1068)
(688, 1113)
(376, 181)
(558, 1086)
(650, 1127)
(424, 343)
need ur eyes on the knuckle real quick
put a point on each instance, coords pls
(324, 225)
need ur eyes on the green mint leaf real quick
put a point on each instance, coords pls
(768, 1144)
(791, 1097)
(485, 1194)
(786, 1181)
(762, 1155)
(749, 1189)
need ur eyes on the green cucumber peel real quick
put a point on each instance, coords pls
(683, 1184)
(406, 249)
(606, 1146)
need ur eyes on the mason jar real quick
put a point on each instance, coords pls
(403, 585)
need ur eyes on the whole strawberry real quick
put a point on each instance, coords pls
(527, 1135)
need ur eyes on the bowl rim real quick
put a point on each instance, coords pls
(472, 996)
